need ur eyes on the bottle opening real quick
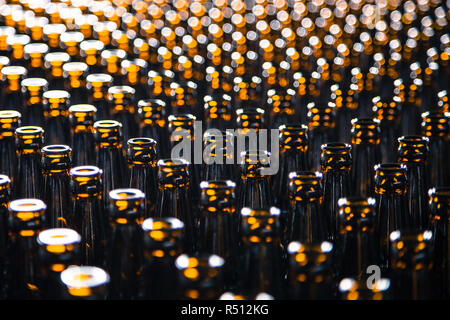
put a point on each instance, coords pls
(59, 236)
(126, 194)
(27, 205)
(85, 171)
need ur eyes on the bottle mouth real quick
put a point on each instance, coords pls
(29, 130)
(305, 176)
(57, 57)
(414, 140)
(34, 82)
(260, 212)
(156, 103)
(76, 277)
(85, 171)
(390, 168)
(162, 224)
(336, 147)
(367, 123)
(190, 264)
(59, 237)
(217, 185)
(292, 128)
(59, 149)
(116, 53)
(56, 94)
(136, 64)
(91, 45)
(14, 70)
(124, 90)
(349, 285)
(82, 108)
(126, 194)
(411, 236)
(10, 114)
(356, 202)
(107, 124)
(142, 142)
(181, 119)
(27, 206)
(296, 247)
(99, 78)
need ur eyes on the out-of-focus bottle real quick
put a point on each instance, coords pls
(219, 225)
(9, 122)
(162, 244)
(81, 118)
(310, 274)
(56, 116)
(33, 90)
(439, 202)
(260, 258)
(352, 289)
(200, 277)
(84, 283)
(411, 264)
(5, 195)
(59, 248)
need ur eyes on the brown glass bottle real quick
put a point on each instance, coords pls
(28, 173)
(25, 222)
(5, 195)
(56, 116)
(162, 245)
(142, 157)
(59, 248)
(84, 283)
(200, 277)
(9, 122)
(124, 260)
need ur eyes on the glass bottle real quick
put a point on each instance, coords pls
(218, 111)
(88, 218)
(439, 206)
(90, 53)
(9, 122)
(56, 116)
(121, 100)
(84, 283)
(173, 198)
(218, 228)
(358, 247)
(413, 153)
(254, 188)
(25, 222)
(12, 97)
(5, 195)
(293, 157)
(218, 155)
(366, 154)
(200, 277)
(110, 155)
(142, 158)
(336, 161)
(97, 85)
(387, 110)
(310, 273)
(260, 258)
(81, 118)
(152, 124)
(390, 190)
(28, 174)
(411, 264)
(124, 251)
(435, 126)
(33, 89)
(76, 81)
(59, 248)
(162, 244)
(54, 62)
(321, 125)
(56, 163)
(306, 220)
(34, 53)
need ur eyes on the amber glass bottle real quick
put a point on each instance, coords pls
(81, 118)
